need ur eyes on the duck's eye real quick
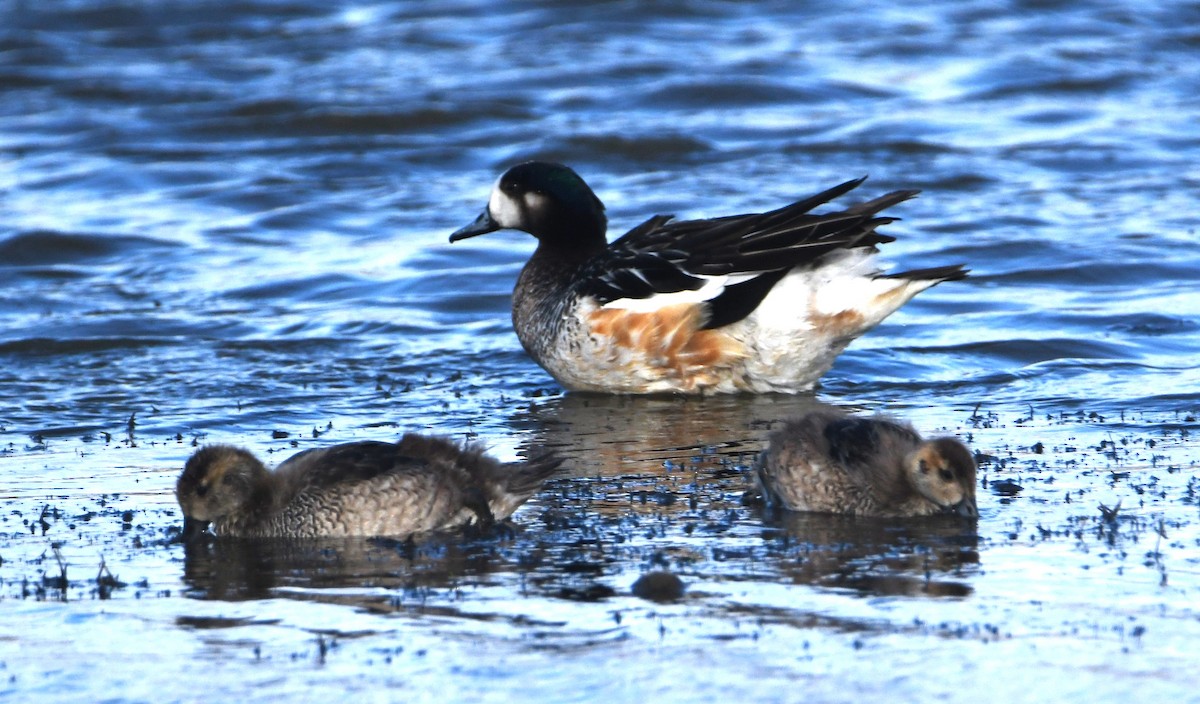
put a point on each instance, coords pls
(201, 489)
(946, 475)
(922, 466)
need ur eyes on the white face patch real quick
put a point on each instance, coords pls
(505, 211)
(535, 202)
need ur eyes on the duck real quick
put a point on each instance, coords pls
(829, 461)
(753, 303)
(367, 488)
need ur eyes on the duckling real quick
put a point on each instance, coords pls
(368, 488)
(829, 461)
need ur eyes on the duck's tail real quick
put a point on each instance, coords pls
(933, 274)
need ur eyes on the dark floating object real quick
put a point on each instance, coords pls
(658, 586)
(1110, 514)
(590, 593)
(1006, 487)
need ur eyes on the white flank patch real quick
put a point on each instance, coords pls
(505, 211)
(713, 287)
(839, 284)
(846, 281)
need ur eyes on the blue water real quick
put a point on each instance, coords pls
(228, 221)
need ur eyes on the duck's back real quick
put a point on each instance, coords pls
(397, 489)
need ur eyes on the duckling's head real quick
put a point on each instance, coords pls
(549, 201)
(943, 471)
(217, 481)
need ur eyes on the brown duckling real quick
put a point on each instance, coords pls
(365, 488)
(829, 461)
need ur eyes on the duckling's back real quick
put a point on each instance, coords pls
(827, 460)
(797, 470)
(416, 485)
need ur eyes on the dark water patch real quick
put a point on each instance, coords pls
(1079, 158)
(883, 142)
(1098, 275)
(1148, 324)
(466, 306)
(105, 91)
(48, 347)
(153, 25)
(944, 183)
(746, 92)
(289, 117)
(378, 332)
(101, 330)
(1054, 116)
(16, 80)
(45, 247)
(610, 148)
(308, 288)
(1022, 78)
(46, 274)
(1033, 351)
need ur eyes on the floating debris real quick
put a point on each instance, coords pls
(1006, 487)
(658, 586)
(1110, 514)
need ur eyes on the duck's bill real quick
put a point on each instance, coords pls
(482, 225)
(192, 529)
(966, 508)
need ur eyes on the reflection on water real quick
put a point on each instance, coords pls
(605, 434)
(932, 556)
(393, 572)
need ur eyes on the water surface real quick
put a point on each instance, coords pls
(227, 223)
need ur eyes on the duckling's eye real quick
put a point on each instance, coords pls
(946, 475)
(922, 466)
(201, 490)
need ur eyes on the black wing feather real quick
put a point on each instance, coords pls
(664, 256)
(739, 300)
(854, 441)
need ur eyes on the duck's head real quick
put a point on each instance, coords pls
(547, 200)
(217, 481)
(943, 471)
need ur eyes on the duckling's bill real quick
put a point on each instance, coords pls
(193, 528)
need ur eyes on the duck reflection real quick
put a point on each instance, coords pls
(606, 435)
(391, 574)
(932, 556)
